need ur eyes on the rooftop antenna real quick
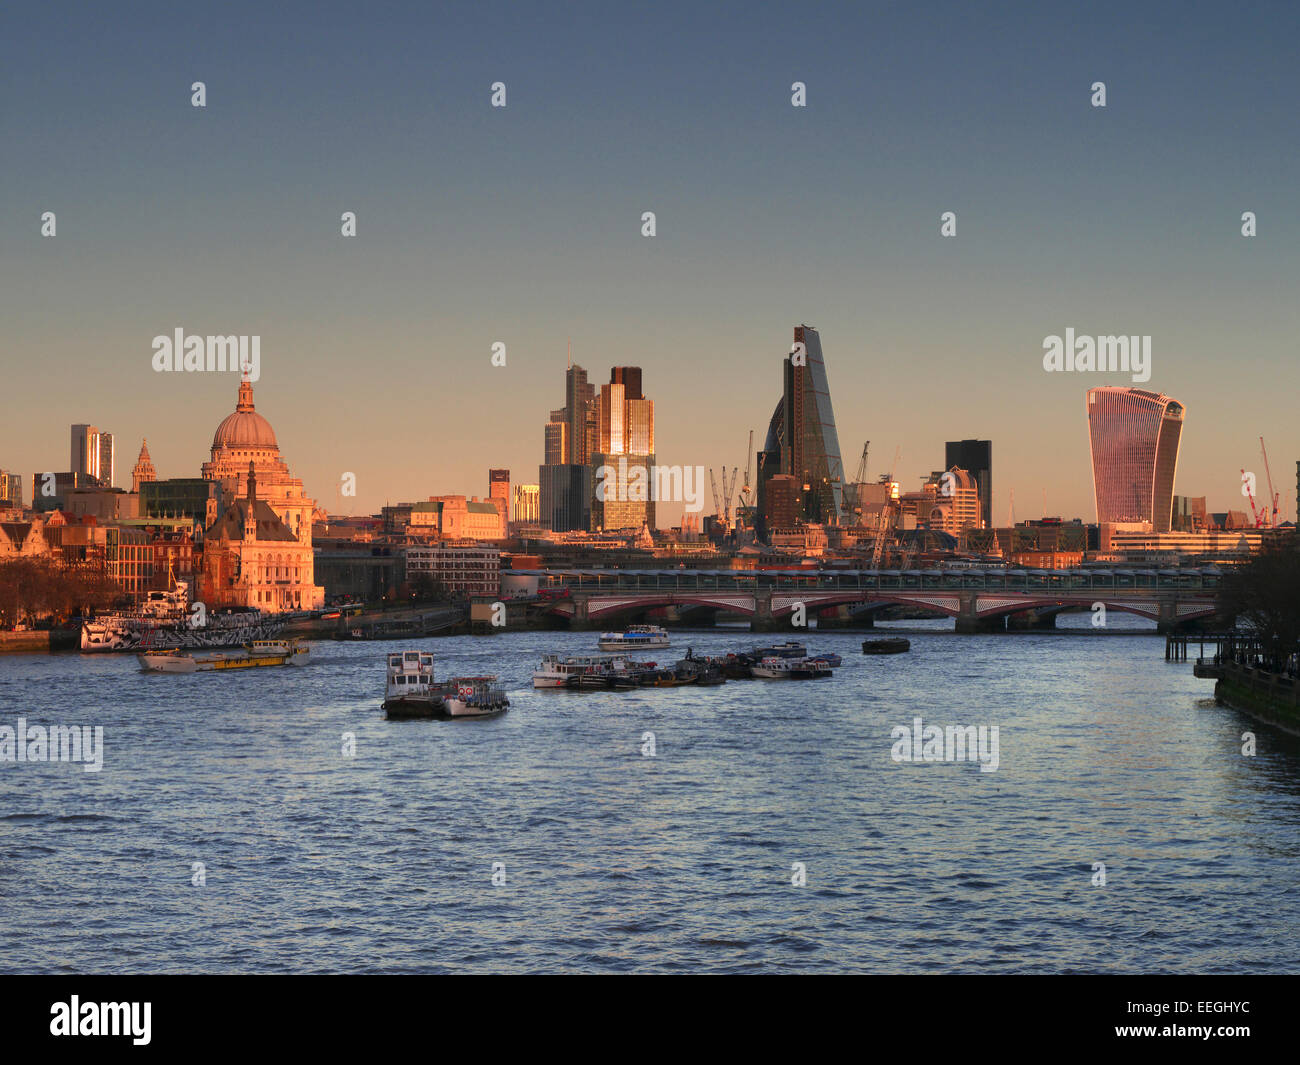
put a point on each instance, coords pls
(570, 353)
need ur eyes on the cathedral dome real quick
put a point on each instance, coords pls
(245, 428)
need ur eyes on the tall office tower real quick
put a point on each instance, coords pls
(622, 492)
(144, 471)
(499, 485)
(640, 426)
(557, 443)
(590, 431)
(92, 455)
(611, 416)
(499, 494)
(801, 438)
(527, 504)
(11, 489)
(107, 466)
(976, 457)
(630, 378)
(564, 497)
(85, 451)
(578, 399)
(1134, 436)
(623, 453)
(572, 444)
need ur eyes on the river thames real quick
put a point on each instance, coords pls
(608, 858)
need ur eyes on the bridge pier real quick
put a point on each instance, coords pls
(971, 623)
(762, 619)
(840, 617)
(581, 622)
(1031, 621)
(969, 620)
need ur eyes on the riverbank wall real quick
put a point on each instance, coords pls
(1267, 697)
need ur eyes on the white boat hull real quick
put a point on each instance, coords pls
(179, 662)
(458, 708)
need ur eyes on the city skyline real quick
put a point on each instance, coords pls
(1064, 221)
(437, 487)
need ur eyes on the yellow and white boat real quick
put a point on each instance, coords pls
(252, 655)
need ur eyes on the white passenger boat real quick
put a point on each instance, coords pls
(567, 671)
(639, 637)
(412, 691)
(255, 655)
(476, 697)
(774, 668)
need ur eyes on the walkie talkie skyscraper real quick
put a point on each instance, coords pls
(1134, 436)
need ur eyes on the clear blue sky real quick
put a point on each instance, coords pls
(522, 225)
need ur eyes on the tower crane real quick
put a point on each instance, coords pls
(883, 523)
(1258, 515)
(722, 500)
(1272, 494)
(746, 491)
(853, 499)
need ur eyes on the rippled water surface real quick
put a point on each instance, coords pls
(614, 861)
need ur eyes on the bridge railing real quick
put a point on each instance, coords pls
(1067, 583)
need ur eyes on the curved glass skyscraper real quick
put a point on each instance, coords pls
(1134, 436)
(802, 439)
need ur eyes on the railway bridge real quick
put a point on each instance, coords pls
(981, 600)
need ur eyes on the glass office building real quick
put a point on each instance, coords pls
(801, 438)
(1134, 436)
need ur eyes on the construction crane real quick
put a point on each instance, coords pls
(908, 554)
(722, 501)
(729, 490)
(746, 491)
(853, 493)
(1271, 494)
(851, 503)
(1258, 515)
(885, 508)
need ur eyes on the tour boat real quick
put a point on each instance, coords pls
(254, 655)
(891, 646)
(789, 649)
(775, 668)
(413, 692)
(635, 636)
(410, 690)
(476, 697)
(567, 671)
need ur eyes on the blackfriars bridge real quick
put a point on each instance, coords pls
(981, 600)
